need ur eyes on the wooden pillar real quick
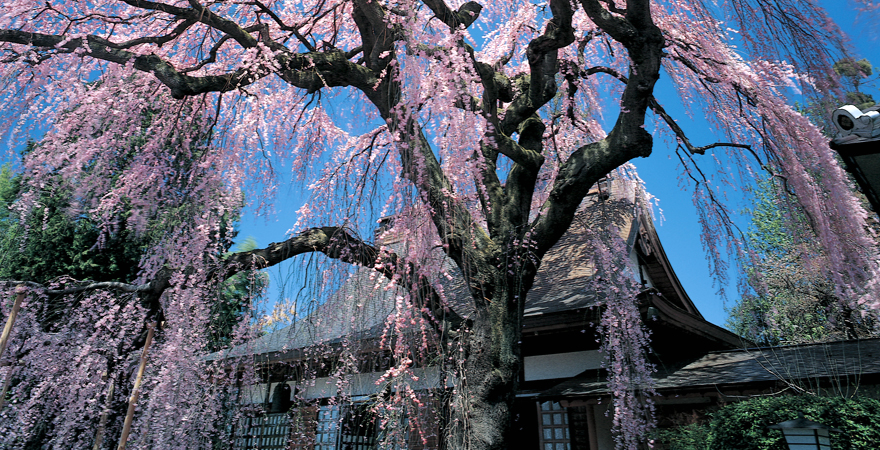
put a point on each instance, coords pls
(591, 427)
(135, 393)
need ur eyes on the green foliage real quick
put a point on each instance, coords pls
(851, 68)
(48, 244)
(743, 425)
(860, 100)
(234, 299)
(789, 298)
(8, 191)
(688, 437)
(767, 233)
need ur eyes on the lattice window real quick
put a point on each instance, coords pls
(358, 429)
(327, 428)
(266, 432)
(303, 426)
(580, 438)
(553, 426)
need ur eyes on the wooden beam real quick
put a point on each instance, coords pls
(4, 340)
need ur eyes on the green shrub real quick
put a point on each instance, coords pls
(743, 425)
(688, 437)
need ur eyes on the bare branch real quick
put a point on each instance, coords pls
(103, 49)
(658, 109)
(305, 42)
(335, 242)
(201, 14)
(339, 243)
(160, 40)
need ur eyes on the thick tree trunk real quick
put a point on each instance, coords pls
(489, 376)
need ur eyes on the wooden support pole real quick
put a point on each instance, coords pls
(4, 339)
(102, 425)
(6, 384)
(135, 393)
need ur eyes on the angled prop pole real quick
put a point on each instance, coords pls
(19, 296)
(102, 424)
(6, 386)
(4, 339)
(135, 393)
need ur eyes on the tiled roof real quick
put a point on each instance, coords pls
(794, 363)
(357, 310)
(563, 281)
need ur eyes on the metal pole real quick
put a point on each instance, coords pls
(126, 428)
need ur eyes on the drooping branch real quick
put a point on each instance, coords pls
(335, 242)
(465, 241)
(104, 285)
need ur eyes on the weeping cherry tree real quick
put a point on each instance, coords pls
(480, 126)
